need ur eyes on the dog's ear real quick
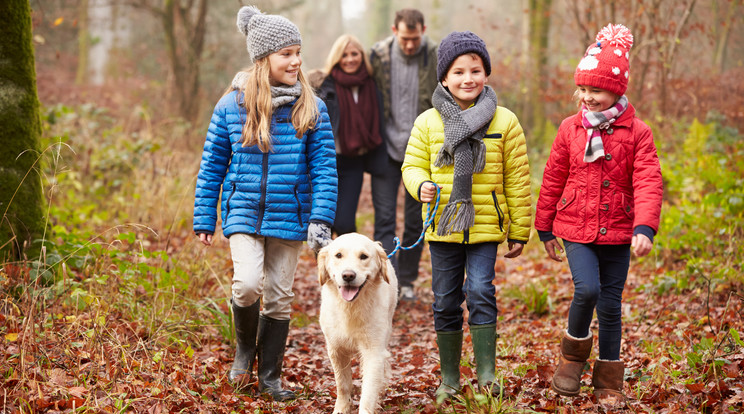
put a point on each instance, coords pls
(322, 268)
(382, 257)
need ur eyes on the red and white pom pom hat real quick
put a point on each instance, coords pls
(606, 63)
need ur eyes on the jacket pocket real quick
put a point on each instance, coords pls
(567, 200)
(622, 211)
(627, 204)
(568, 206)
(498, 210)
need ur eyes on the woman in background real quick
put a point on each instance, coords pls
(355, 108)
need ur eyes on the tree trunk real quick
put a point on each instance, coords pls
(669, 56)
(722, 30)
(185, 41)
(20, 184)
(381, 20)
(83, 43)
(539, 22)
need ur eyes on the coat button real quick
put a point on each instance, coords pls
(608, 157)
(627, 208)
(610, 131)
(604, 207)
(603, 231)
(563, 201)
(606, 183)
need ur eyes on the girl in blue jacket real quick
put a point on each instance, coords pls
(270, 155)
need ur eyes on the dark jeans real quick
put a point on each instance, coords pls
(599, 273)
(450, 262)
(405, 262)
(350, 179)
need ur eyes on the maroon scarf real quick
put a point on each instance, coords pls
(359, 125)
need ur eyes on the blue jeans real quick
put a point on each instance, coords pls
(599, 273)
(450, 262)
(385, 199)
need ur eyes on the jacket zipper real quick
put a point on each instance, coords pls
(262, 201)
(299, 207)
(498, 211)
(227, 210)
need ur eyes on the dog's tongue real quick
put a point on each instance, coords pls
(349, 292)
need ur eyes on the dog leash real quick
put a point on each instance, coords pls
(429, 219)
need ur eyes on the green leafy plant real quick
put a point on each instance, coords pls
(534, 296)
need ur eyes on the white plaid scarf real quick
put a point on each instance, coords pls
(593, 122)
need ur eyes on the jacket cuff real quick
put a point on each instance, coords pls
(316, 221)
(418, 193)
(522, 242)
(545, 235)
(645, 230)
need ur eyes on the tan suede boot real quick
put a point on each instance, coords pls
(574, 353)
(607, 380)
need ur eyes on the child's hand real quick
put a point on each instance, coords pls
(318, 235)
(641, 245)
(515, 249)
(551, 246)
(205, 238)
(428, 191)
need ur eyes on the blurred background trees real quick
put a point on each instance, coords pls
(177, 56)
(151, 71)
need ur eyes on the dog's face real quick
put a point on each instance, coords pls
(351, 261)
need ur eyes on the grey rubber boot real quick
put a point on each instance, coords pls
(450, 350)
(245, 320)
(272, 342)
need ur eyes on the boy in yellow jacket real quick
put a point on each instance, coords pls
(475, 152)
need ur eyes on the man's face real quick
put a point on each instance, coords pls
(409, 39)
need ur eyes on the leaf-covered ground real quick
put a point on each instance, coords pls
(680, 353)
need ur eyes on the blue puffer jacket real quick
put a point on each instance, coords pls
(273, 194)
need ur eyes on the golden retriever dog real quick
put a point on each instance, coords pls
(359, 293)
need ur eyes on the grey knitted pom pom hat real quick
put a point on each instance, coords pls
(456, 44)
(266, 33)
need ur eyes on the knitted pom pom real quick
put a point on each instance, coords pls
(244, 17)
(615, 35)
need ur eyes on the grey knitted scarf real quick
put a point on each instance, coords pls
(280, 95)
(463, 147)
(284, 94)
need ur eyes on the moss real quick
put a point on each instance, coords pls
(20, 132)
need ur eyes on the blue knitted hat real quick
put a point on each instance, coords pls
(457, 44)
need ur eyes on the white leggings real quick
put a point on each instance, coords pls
(258, 273)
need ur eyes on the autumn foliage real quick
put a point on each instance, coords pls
(120, 309)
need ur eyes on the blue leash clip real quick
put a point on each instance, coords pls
(429, 219)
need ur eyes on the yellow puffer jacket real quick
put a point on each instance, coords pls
(501, 192)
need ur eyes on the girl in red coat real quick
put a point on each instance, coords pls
(601, 194)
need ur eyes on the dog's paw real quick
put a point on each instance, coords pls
(343, 406)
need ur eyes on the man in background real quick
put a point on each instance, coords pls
(405, 70)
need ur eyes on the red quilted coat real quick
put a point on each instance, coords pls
(603, 201)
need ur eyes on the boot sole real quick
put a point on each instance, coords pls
(564, 392)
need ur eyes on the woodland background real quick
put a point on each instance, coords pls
(113, 306)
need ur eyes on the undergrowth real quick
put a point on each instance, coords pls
(120, 277)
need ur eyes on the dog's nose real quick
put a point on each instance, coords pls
(348, 275)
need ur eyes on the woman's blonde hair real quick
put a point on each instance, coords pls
(337, 50)
(257, 98)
